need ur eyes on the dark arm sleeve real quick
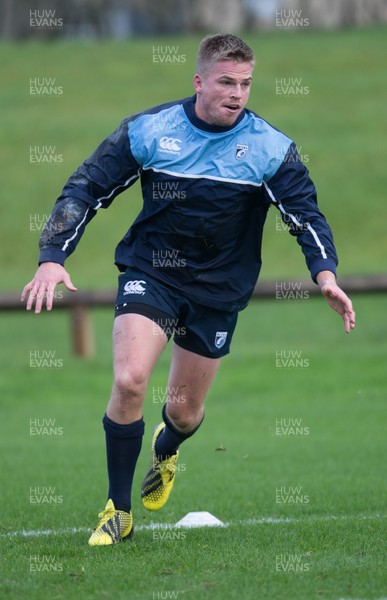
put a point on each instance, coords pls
(293, 193)
(110, 170)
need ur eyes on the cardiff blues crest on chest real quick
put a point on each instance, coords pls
(241, 150)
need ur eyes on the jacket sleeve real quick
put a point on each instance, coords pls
(110, 170)
(293, 193)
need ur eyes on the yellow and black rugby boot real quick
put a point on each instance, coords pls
(114, 526)
(158, 482)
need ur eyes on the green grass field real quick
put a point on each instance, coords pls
(305, 508)
(335, 534)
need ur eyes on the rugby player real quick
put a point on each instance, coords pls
(209, 168)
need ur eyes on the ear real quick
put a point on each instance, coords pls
(198, 83)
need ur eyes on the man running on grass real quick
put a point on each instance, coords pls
(190, 260)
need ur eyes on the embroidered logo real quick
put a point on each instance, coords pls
(241, 151)
(135, 287)
(169, 145)
(220, 339)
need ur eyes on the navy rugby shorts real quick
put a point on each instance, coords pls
(194, 327)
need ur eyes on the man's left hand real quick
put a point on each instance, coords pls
(337, 299)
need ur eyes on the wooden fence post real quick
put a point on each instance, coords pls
(82, 331)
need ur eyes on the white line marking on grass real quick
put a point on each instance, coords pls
(317, 518)
(245, 522)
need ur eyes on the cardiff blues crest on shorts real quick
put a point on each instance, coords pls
(220, 338)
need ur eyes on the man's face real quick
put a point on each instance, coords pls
(223, 92)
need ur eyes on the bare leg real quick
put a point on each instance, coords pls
(190, 379)
(137, 345)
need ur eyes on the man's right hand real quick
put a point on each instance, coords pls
(43, 285)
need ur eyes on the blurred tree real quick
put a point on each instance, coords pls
(339, 13)
(123, 18)
(217, 15)
(152, 17)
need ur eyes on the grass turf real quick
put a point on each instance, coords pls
(337, 396)
(237, 467)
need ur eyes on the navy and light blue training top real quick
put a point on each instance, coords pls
(206, 192)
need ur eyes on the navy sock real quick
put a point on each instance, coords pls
(170, 438)
(123, 445)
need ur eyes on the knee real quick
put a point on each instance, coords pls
(130, 383)
(183, 417)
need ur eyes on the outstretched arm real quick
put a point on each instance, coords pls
(106, 173)
(336, 298)
(42, 286)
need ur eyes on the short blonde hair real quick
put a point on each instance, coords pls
(222, 46)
